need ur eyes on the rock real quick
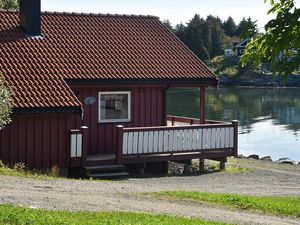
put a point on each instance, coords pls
(286, 161)
(267, 158)
(285, 158)
(253, 156)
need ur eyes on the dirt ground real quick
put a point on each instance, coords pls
(262, 178)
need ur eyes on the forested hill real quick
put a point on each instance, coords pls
(209, 37)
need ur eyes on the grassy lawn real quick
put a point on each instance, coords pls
(20, 171)
(18, 215)
(285, 206)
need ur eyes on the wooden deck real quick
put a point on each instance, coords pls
(183, 138)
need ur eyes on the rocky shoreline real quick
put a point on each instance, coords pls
(261, 80)
(283, 160)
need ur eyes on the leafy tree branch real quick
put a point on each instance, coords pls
(6, 104)
(280, 44)
(9, 4)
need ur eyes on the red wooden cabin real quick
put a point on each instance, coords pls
(90, 90)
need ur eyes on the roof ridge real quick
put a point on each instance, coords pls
(98, 14)
(8, 10)
(87, 14)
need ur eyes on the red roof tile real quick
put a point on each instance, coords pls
(88, 46)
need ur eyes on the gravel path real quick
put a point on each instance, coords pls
(262, 179)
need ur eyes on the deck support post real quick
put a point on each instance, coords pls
(201, 165)
(222, 165)
(235, 124)
(119, 143)
(202, 105)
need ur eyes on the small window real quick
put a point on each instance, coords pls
(114, 106)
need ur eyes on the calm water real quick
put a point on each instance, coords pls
(269, 118)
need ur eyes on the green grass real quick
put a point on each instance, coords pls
(22, 216)
(224, 66)
(21, 171)
(285, 206)
(233, 169)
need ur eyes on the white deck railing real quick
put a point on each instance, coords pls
(176, 139)
(215, 139)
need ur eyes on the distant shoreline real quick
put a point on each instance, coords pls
(262, 87)
(261, 80)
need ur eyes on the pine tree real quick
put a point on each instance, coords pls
(181, 32)
(230, 27)
(9, 4)
(217, 35)
(194, 36)
(247, 28)
(168, 24)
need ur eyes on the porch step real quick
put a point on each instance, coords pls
(104, 168)
(100, 160)
(101, 157)
(110, 171)
(111, 175)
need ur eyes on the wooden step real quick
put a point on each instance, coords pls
(110, 175)
(101, 157)
(104, 168)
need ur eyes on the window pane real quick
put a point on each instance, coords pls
(114, 107)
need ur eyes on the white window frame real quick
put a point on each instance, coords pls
(114, 120)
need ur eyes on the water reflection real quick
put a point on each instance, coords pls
(271, 115)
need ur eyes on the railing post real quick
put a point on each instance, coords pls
(119, 143)
(84, 130)
(235, 124)
(75, 143)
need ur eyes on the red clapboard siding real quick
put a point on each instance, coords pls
(141, 113)
(39, 141)
(147, 109)
(5, 145)
(46, 141)
(30, 141)
(22, 139)
(93, 114)
(13, 143)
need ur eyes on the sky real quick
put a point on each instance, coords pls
(177, 11)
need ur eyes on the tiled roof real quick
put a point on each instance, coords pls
(88, 46)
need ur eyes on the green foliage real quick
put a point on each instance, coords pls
(215, 25)
(286, 206)
(19, 215)
(20, 170)
(206, 37)
(247, 28)
(168, 24)
(194, 38)
(9, 4)
(230, 27)
(6, 104)
(224, 66)
(280, 45)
